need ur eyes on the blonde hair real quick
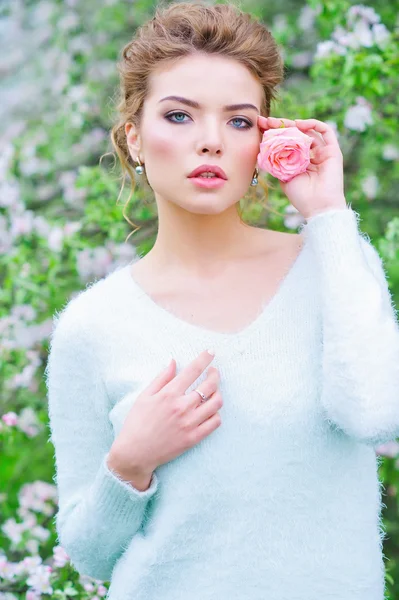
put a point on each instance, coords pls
(181, 29)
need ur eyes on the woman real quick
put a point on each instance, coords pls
(254, 477)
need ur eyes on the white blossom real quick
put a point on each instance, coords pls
(40, 580)
(77, 92)
(357, 117)
(55, 239)
(325, 49)
(307, 17)
(68, 21)
(93, 262)
(61, 557)
(302, 59)
(370, 186)
(362, 34)
(80, 43)
(22, 225)
(34, 165)
(9, 193)
(280, 23)
(28, 422)
(41, 13)
(29, 563)
(46, 191)
(363, 12)
(390, 152)
(293, 218)
(41, 226)
(381, 35)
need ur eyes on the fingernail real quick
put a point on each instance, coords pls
(212, 352)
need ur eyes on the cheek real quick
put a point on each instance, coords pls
(162, 143)
(248, 152)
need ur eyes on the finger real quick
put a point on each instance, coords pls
(277, 122)
(318, 141)
(206, 409)
(325, 130)
(162, 378)
(311, 168)
(189, 374)
(274, 122)
(208, 387)
(262, 123)
(322, 154)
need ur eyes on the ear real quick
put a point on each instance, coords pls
(133, 140)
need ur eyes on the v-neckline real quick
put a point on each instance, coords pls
(210, 334)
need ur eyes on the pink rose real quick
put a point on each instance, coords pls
(284, 152)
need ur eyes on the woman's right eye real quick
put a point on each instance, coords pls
(174, 114)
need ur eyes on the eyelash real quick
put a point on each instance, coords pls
(179, 112)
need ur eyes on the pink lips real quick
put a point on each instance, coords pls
(208, 169)
(211, 182)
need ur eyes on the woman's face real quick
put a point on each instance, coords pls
(175, 138)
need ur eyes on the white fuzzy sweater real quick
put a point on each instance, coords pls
(283, 500)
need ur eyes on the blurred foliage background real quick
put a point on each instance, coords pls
(61, 226)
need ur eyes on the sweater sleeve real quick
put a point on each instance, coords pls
(360, 362)
(98, 512)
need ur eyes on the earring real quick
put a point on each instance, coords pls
(255, 178)
(139, 169)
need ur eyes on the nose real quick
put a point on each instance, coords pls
(211, 149)
(211, 140)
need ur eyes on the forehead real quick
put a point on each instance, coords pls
(209, 79)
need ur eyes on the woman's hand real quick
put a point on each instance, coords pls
(321, 187)
(165, 421)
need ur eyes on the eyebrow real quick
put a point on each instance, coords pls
(194, 104)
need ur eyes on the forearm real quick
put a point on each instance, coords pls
(94, 525)
(360, 331)
(98, 513)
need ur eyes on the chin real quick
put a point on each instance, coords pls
(206, 206)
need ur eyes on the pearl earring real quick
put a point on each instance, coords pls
(139, 169)
(255, 178)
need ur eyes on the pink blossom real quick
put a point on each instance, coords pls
(390, 449)
(61, 558)
(101, 591)
(10, 418)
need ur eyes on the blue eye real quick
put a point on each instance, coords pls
(248, 123)
(173, 114)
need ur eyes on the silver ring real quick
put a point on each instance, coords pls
(204, 398)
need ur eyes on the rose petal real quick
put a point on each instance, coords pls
(284, 152)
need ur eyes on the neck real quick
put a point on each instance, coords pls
(199, 244)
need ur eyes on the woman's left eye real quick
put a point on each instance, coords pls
(168, 117)
(248, 123)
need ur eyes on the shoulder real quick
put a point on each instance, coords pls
(86, 306)
(292, 241)
(280, 242)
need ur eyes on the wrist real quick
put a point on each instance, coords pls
(127, 468)
(338, 205)
(138, 480)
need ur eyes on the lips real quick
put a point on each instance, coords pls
(208, 169)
